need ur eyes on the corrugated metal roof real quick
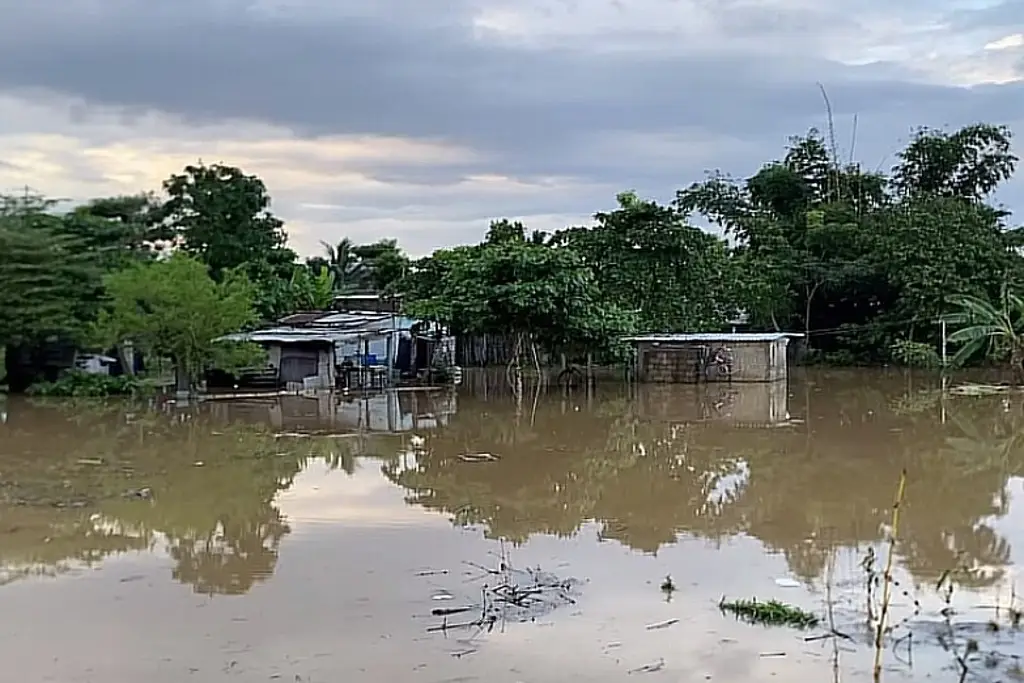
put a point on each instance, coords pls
(716, 337)
(301, 318)
(298, 335)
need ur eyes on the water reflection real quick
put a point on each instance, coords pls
(80, 482)
(804, 469)
(803, 475)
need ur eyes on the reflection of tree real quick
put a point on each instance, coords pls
(801, 490)
(213, 488)
(231, 559)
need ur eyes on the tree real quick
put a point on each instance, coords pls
(48, 285)
(221, 215)
(382, 264)
(343, 263)
(117, 230)
(646, 259)
(969, 163)
(173, 308)
(997, 328)
(538, 295)
(312, 290)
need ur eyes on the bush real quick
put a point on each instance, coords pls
(78, 384)
(914, 354)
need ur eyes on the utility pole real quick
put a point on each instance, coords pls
(945, 356)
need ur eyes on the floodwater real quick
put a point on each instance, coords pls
(304, 539)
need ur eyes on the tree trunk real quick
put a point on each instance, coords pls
(1017, 365)
(182, 382)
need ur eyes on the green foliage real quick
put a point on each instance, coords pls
(861, 262)
(770, 613)
(995, 328)
(372, 267)
(312, 290)
(48, 282)
(914, 354)
(647, 260)
(78, 384)
(221, 215)
(517, 287)
(173, 308)
(858, 260)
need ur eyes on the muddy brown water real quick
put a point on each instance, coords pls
(303, 539)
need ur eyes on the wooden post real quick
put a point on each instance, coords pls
(945, 358)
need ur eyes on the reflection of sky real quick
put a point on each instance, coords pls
(364, 499)
(1011, 526)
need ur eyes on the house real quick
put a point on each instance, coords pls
(325, 349)
(712, 357)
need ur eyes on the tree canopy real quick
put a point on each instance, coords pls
(862, 262)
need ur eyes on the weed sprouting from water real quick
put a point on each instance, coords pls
(887, 580)
(770, 613)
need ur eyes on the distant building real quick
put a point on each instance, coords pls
(712, 357)
(325, 349)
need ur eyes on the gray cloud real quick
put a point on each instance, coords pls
(645, 109)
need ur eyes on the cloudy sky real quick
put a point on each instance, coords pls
(423, 119)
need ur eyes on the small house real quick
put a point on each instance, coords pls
(711, 357)
(325, 349)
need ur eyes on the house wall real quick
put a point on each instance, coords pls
(676, 362)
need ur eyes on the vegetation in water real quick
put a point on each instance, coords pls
(864, 263)
(79, 384)
(770, 613)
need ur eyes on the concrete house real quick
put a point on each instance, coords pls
(712, 357)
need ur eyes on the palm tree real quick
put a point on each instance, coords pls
(982, 324)
(349, 271)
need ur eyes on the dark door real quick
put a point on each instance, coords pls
(298, 364)
(403, 361)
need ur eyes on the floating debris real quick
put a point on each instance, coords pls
(662, 624)
(90, 461)
(509, 594)
(979, 389)
(478, 457)
(667, 585)
(787, 583)
(648, 668)
(770, 613)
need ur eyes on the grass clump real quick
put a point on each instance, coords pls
(770, 613)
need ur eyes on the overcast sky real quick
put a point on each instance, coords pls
(423, 119)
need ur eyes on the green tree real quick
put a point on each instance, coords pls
(48, 285)
(221, 215)
(344, 264)
(173, 308)
(312, 290)
(116, 230)
(382, 264)
(998, 328)
(647, 259)
(969, 163)
(539, 295)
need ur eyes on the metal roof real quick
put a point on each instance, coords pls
(301, 318)
(301, 335)
(736, 337)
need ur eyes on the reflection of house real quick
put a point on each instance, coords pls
(391, 411)
(761, 404)
(325, 349)
(713, 357)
